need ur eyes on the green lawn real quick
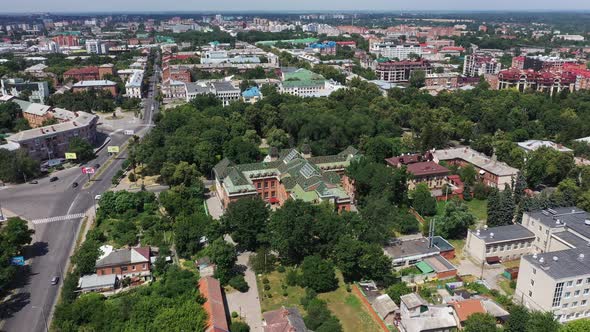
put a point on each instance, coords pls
(346, 306)
(479, 208)
(505, 286)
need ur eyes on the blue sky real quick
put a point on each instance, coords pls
(277, 5)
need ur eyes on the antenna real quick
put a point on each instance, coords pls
(431, 233)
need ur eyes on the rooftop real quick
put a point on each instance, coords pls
(400, 250)
(125, 256)
(210, 289)
(504, 233)
(427, 168)
(562, 264)
(94, 281)
(477, 159)
(533, 144)
(284, 319)
(135, 80)
(93, 83)
(412, 300)
(466, 308)
(384, 305)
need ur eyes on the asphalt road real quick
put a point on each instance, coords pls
(53, 241)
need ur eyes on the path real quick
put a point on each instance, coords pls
(247, 303)
(491, 274)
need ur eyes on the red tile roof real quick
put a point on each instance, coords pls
(427, 168)
(466, 308)
(82, 71)
(210, 289)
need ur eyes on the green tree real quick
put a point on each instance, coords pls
(580, 325)
(422, 200)
(542, 322)
(246, 220)
(188, 232)
(239, 327)
(395, 291)
(518, 320)
(224, 255)
(480, 322)
(468, 175)
(83, 150)
(185, 316)
(319, 317)
(455, 220)
(417, 79)
(318, 274)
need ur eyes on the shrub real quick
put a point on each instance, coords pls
(292, 278)
(281, 269)
(266, 287)
(239, 327)
(238, 282)
(131, 177)
(234, 314)
(265, 280)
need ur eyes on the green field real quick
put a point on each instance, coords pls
(477, 207)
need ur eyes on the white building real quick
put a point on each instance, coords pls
(392, 51)
(95, 46)
(222, 90)
(133, 85)
(534, 144)
(477, 65)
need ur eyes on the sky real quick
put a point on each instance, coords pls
(285, 5)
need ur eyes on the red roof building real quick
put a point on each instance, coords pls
(210, 289)
(543, 81)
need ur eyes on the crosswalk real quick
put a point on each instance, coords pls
(58, 218)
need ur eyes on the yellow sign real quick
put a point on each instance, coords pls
(113, 149)
(71, 155)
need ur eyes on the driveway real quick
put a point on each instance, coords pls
(247, 304)
(214, 206)
(491, 273)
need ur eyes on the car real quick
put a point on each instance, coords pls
(53, 179)
(96, 166)
(75, 184)
(55, 280)
(34, 182)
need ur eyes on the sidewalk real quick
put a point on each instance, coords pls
(247, 304)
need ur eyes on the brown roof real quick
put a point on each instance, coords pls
(284, 320)
(81, 71)
(210, 289)
(427, 168)
(466, 308)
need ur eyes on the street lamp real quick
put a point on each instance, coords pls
(44, 317)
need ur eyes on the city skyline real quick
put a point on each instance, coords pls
(25, 6)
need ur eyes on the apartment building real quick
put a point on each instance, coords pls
(89, 73)
(529, 79)
(134, 83)
(16, 87)
(477, 65)
(94, 85)
(393, 51)
(222, 90)
(96, 46)
(501, 243)
(400, 71)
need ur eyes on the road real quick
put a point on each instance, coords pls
(54, 240)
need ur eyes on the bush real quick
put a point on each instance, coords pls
(292, 277)
(318, 274)
(239, 327)
(481, 191)
(266, 287)
(238, 282)
(131, 177)
(281, 269)
(234, 314)
(265, 280)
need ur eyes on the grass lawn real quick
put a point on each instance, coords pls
(479, 208)
(512, 263)
(458, 244)
(505, 286)
(346, 306)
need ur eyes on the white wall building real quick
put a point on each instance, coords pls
(133, 85)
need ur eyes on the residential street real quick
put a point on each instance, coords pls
(247, 304)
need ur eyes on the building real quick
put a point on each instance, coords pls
(502, 243)
(289, 174)
(134, 84)
(325, 48)
(66, 40)
(284, 320)
(393, 51)
(417, 315)
(94, 85)
(126, 262)
(400, 71)
(387, 310)
(533, 144)
(545, 63)
(89, 73)
(478, 65)
(251, 95)
(16, 87)
(423, 169)
(529, 79)
(447, 81)
(491, 172)
(569, 37)
(518, 62)
(174, 89)
(411, 252)
(176, 73)
(96, 283)
(48, 142)
(96, 46)
(305, 83)
(214, 305)
(466, 307)
(222, 90)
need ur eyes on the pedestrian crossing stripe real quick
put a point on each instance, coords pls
(58, 218)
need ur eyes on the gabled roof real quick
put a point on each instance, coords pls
(284, 320)
(125, 256)
(466, 308)
(384, 305)
(210, 289)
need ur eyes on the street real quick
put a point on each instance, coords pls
(55, 210)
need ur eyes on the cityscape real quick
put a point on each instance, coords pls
(294, 167)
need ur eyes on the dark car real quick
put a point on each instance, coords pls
(34, 182)
(96, 166)
(55, 280)
(75, 184)
(53, 179)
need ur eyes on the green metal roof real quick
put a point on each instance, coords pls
(303, 77)
(424, 267)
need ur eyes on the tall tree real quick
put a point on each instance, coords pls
(422, 200)
(318, 274)
(480, 322)
(455, 220)
(246, 220)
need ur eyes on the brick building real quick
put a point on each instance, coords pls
(133, 262)
(400, 71)
(104, 85)
(89, 73)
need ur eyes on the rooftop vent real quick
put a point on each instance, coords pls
(492, 235)
(535, 255)
(485, 226)
(555, 258)
(541, 260)
(587, 222)
(552, 211)
(581, 256)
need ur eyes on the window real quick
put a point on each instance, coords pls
(530, 293)
(488, 250)
(564, 305)
(569, 283)
(578, 282)
(124, 268)
(567, 295)
(113, 270)
(532, 282)
(265, 184)
(143, 266)
(578, 314)
(584, 302)
(574, 304)
(588, 280)
(259, 185)
(273, 194)
(540, 228)
(534, 271)
(266, 195)
(529, 244)
(133, 267)
(577, 293)
(586, 291)
(272, 184)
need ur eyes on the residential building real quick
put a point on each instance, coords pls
(66, 40)
(501, 243)
(126, 262)
(134, 84)
(96, 283)
(174, 89)
(89, 73)
(569, 37)
(289, 174)
(96, 46)
(529, 79)
(417, 315)
(284, 320)
(423, 169)
(210, 289)
(252, 95)
(176, 73)
(37, 91)
(478, 65)
(400, 71)
(305, 83)
(491, 172)
(387, 310)
(518, 62)
(545, 63)
(533, 144)
(325, 48)
(104, 85)
(466, 307)
(393, 51)
(48, 142)
(447, 81)
(222, 90)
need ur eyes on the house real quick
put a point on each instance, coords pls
(284, 320)
(96, 283)
(214, 305)
(134, 84)
(305, 83)
(91, 73)
(17, 86)
(252, 95)
(126, 262)
(467, 307)
(289, 174)
(491, 172)
(417, 315)
(386, 309)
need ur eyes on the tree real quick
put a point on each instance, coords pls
(519, 188)
(417, 79)
(263, 261)
(83, 150)
(188, 232)
(17, 166)
(422, 200)
(246, 220)
(542, 322)
(15, 235)
(319, 317)
(239, 327)
(224, 255)
(468, 175)
(395, 291)
(518, 320)
(318, 274)
(241, 151)
(480, 322)
(180, 173)
(455, 220)
(580, 325)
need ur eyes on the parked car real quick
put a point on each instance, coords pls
(53, 179)
(75, 185)
(96, 166)
(55, 280)
(34, 182)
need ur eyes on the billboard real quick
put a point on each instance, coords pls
(17, 260)
(113, 149)
(87, 170)
(71, 155)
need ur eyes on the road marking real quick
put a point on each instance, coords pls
(58, 218)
